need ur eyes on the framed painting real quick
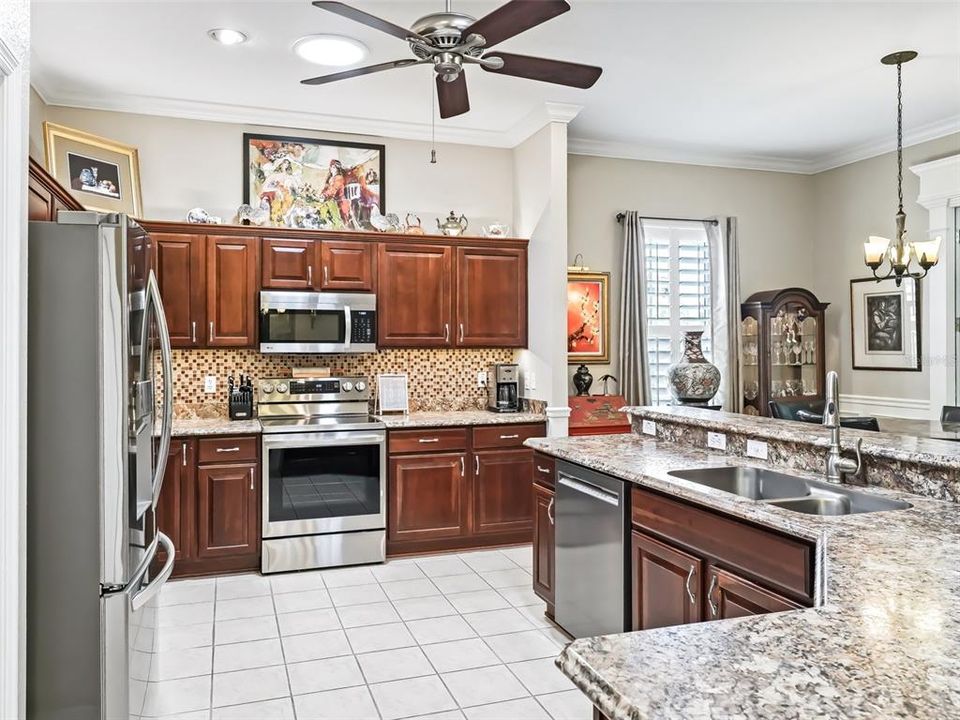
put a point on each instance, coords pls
(885, 324)
(101, 174)
(313, 183)
(588, 317)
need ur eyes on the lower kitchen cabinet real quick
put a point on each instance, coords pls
(227, 510)
(501, 491)
(176, 504)
(666, 584)
(425, 496)
(730, 596)
(544, 544)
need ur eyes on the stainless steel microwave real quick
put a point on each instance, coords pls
(313, 322)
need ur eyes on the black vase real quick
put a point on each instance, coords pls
(582, 380)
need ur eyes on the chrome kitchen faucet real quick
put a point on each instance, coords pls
(837, 465)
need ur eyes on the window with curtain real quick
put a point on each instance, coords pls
(678, 296)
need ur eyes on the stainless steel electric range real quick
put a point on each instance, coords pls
(324, 474)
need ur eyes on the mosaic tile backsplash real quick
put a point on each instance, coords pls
(437, 379)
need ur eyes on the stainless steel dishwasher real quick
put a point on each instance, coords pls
(591, 560)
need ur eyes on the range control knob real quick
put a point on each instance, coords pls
(360, 386)
(266, 388)
(347, 386)
(281, 387)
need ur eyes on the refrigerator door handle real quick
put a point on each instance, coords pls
(166, 355)
(145, 594)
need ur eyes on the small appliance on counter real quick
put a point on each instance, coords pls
(240, 398)
(503, 388)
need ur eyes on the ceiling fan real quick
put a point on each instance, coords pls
(449, 40)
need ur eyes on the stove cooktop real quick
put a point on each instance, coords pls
(320, 423)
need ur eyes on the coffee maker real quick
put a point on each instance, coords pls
(503, 388)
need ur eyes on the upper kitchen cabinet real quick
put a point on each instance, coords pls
(491, 293)
(347, 265)
(288, 264)
(414, 302)
(180, 261)
(45, 196)
(232, 269)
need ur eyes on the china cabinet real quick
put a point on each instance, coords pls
(781, 348)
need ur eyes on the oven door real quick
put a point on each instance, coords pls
(324, 482)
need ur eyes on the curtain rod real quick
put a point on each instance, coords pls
(621, 216)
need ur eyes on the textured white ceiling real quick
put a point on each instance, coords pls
(792, 85)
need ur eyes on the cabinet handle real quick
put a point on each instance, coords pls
(233, 449)
(428, 440)
(183, 454)
(461, 332)
(446, 332)
(251, 478)
(310, 275)
(693, 600)
(550, 516)
(509, 437)
(211, 331)
(714, 610)
(326, 275)
(541, 468)
(463, 469)
(476, 466)
(193, 330)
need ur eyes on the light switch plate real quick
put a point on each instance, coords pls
(717, 441)
(530, 380)
(210, 384)
(649, 427)
(757, 449)
(481, 378)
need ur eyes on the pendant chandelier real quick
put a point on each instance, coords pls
(900, 252)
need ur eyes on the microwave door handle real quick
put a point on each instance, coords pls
(166, 355)
(347, 327)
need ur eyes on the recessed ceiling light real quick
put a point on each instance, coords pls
(334, 50)
(227, 36)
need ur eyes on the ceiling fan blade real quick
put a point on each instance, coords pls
(558, 72)
(367, 19)
(356, 72)
(452, 96)
(514, 18)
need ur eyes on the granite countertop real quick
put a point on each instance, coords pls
(214, 426)
(883, 641)
(455, 418)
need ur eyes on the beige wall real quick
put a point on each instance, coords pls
(852, 202)
(774, 212)
(191, 163)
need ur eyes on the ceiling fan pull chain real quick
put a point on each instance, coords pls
(433, 117)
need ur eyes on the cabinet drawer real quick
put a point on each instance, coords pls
(499, 436)
(227, 449)
(765, 555)
(544, 470)
(423, 441)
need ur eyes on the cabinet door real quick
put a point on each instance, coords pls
(730, 596)
(39, 201)
(491, 297)
(414, 300)
(179, 268)
(426, 496)
(176, 514)
(666, 584)
(543, 542)
(288, 264)
(347, 265)
(502, 499)
(227, 510)
(232, 269)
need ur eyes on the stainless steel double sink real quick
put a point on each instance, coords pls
(790, 492)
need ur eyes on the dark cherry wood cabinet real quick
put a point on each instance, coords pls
(666, 584)
(544, 544)
(227, 510)
(45, 196)
(180, 263)
(502, 501)
(425, 495)
(491, 297)
(415, 296)
(176, 510)
(729, 596)
(347, 265)
(288, 264)
(232, 270)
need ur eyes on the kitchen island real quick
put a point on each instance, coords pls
(883, 637)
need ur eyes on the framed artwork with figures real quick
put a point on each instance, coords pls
(588, 317)
(885, 324)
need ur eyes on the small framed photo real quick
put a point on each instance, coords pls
(101, 174)
(588, 317)
(885, 324)
(392, 393)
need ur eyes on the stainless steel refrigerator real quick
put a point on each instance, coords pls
(94, 468)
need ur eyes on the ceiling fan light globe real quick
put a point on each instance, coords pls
(330, 50)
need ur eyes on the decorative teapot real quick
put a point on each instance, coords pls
(411, 227)
(453, 226)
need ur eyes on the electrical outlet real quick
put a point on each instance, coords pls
(482, 379)
(717, 441)
(649, 427)
(757, 449)
(210, 384)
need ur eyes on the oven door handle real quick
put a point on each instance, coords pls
(321, 439)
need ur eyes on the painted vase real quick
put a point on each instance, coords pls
(582, 380)
(693, 380)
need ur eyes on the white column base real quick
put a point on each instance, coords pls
(558, 421)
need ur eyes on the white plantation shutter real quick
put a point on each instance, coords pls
(678, 296)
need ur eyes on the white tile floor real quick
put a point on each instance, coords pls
(443, 636)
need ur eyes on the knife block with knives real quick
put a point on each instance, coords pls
(240, 398)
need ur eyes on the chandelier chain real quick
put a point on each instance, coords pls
(900, 136)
